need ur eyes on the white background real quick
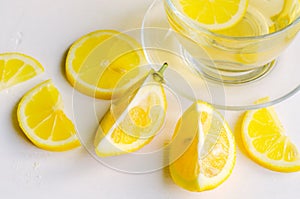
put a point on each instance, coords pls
(45, 29)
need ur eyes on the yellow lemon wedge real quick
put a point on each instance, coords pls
(41, 117)
(16, 68)
(97, 61)
(135, 120)
(214, 14)
(202, 152)
(266, 142)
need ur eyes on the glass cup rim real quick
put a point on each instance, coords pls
(207, 31)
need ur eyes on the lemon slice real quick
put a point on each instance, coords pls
(216, 14)
(97, 61)
(266, 142)
(202, 153)
(41, 117)
(253, 23)
(134, 120)
(16, 68)
(269, 7)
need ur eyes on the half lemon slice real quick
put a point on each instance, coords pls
(41, 117)
(16, 68)
(266, 141)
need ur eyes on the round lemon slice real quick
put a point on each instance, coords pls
(216, 14)
(266, 142)
(202, 152)
(16, 68)
(41, 117)
(97, 61)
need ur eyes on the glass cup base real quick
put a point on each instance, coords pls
(227, 76)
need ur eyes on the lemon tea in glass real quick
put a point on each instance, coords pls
(242, 37)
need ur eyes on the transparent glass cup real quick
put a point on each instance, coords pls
(236, 59)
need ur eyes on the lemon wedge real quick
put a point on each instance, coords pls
(202, 152)
(134, 120)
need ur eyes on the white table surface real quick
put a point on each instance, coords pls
(45, 29)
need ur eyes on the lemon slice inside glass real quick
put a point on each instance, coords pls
(214, 14)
